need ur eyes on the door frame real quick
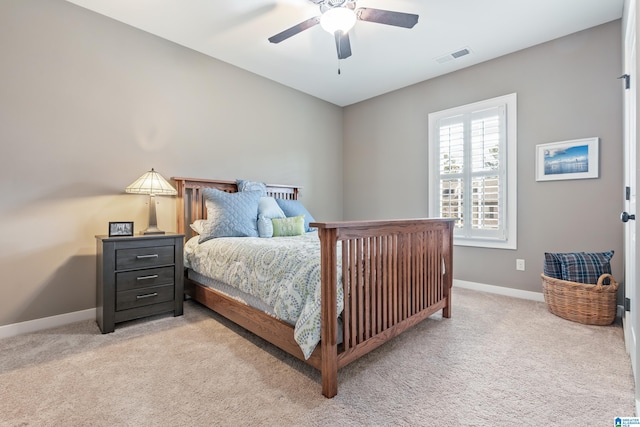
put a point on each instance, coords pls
(631, 319)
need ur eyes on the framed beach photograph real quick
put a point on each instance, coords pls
(118, 229)
(574, 159)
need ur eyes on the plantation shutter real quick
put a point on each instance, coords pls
(472, 172)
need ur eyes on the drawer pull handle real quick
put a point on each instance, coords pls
(147, 256)
(154, 276)
(155, 294)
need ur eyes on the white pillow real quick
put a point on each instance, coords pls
(198, 225)
(268, 208)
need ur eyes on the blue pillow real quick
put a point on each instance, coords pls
(230, 214)
(552, 265)
(583, 267)
(267, 210)
(244, 185)
(293, 208)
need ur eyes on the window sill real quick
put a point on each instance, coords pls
(485, 243)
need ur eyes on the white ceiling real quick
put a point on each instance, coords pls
(384, 58)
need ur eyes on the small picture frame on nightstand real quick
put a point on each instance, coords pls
(120, 228)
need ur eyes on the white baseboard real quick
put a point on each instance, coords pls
(35, 325)
(79, 316)
(510, 292)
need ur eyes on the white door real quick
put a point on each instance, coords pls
(632, 292)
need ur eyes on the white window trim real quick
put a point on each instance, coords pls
(510, 103)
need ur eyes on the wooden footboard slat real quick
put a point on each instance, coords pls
(418, 273)
(382, 284)
(370, 292)
(395, 303)
(431, 272)
(346, 334)
(404, 278)
(379, 288)
(366, 288)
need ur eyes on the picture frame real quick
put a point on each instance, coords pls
(120, 228)
(573, 159)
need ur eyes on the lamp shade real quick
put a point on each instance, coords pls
(338, 19)
(151, 183)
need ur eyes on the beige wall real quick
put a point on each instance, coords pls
(88, 104)
(567, 89)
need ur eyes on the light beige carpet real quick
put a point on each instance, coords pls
(498, 361)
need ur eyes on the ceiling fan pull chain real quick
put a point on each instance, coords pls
(339, 52)
(337, 36)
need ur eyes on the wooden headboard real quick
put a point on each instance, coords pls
(191, 205)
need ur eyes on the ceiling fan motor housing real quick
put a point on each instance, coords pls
(331, 4)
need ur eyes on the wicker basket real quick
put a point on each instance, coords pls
(579, 302)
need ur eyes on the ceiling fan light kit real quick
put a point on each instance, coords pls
(339, 16)
(338, 19)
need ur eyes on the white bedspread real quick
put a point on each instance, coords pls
(283, 272)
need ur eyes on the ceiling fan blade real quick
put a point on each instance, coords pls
(343, 45)
(295, 30)
(397, 19)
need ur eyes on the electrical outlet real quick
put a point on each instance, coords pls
(520, 264)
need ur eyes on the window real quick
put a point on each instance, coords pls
(473, 171)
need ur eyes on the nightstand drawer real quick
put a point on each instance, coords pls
(144, 296)
(137, 279)
(127, 259)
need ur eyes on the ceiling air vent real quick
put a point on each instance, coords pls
(453, 55)
(461, 52)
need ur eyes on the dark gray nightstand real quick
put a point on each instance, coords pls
(138, 276)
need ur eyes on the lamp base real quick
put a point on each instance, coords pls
(153, 230)
(153, 222)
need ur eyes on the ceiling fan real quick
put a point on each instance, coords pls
(338, 16)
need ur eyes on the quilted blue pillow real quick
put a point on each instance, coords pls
(584, 267)
(230, 214)
(293, 208)
(244, 185)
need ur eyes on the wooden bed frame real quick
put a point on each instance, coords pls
(396, 273)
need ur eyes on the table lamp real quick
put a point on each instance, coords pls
(153, 184)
